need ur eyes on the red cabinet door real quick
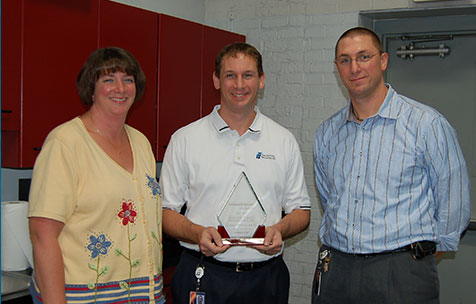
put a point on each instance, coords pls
(57, 36)
(180, 63)
(135, 30)
(11, 64)
(11, 81)
(213, 41)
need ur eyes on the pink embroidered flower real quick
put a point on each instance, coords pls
(127, 213)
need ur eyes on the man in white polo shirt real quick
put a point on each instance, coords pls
(202, 163)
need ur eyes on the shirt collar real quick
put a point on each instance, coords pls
(221, 126)
(388, 104)
(385, 110)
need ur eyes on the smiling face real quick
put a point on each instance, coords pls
(114, 93)
(362, 79)
(239, 83)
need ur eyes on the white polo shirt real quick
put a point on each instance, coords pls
(205, 158)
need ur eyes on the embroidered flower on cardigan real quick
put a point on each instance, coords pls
(153, 185)
(156, 191)
(127, 213)
(98, 245)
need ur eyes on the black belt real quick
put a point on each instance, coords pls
(419, 250)
(238, 266)
(366, 255)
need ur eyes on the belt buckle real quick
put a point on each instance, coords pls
(242, 267)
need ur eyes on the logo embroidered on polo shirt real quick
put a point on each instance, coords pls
(260, 155)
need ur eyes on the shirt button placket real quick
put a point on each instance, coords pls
(238, 151)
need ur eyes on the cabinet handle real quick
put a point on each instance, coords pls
(7, 111)
(36, 149)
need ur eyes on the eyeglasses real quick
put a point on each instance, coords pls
(347, 61)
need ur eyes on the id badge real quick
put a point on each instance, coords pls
(197, 297)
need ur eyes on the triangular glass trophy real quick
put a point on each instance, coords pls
(242, 216)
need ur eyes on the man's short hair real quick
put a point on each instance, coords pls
(239, 48)
(361, 31)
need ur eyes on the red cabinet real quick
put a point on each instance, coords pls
(11, 79)
(11, 65)
(180, 70)
(135, 30)
(53, 40)
(213, 41)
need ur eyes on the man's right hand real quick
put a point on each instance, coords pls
(210, 242)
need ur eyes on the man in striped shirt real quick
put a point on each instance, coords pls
(392, 183)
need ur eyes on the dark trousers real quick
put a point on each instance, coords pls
(267, 284)
(387, 278)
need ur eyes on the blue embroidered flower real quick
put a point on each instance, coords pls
(98, 245)
(153, 185)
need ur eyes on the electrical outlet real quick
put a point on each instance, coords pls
(231, 15)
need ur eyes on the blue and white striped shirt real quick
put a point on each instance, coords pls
(396, 178)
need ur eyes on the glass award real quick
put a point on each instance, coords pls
(242, 216)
